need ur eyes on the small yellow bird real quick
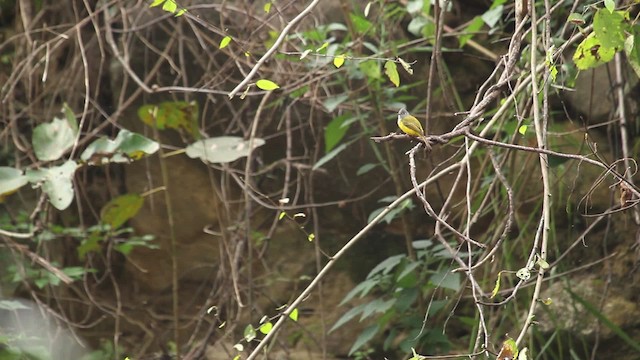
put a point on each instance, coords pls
(410, 125)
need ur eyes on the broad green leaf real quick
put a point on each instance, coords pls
(177, 115)
(51, 140)
(371, 69)
(470, 31)
(10, 181)
(119, 210)
(267, 85)
(591, 53)
(335, 131)
(610, 28)
(126, 147)
(364, 337)
(224, 42)
(391, 70)
(338, 61)
(266, 327)
(222, 149)
(330, 155)
(267, 7)
(56, 182)
(360, 23)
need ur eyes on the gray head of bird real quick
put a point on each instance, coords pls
(402, 113)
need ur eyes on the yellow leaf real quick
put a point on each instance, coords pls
(224, 42)
(294, 315)
(523, 129)
(267, 85)
(338, 61)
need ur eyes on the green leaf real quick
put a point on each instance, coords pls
(267, 7)
(338, 61)
(169, 6)
(591, 53)
(266, 327)
(600, 316)
(294, 314)
(610, 5)
(119, 210)
(493, 15)
(71, 117)
(496, 288)
(126, 147)
(156, 3)
(364, 337)
(469, 32)
(365, 169)
(328, 156)
(249, 333)
(446, 279)
(224, 42)
(391, 70)
(181, 116)
(10, 181)
(610, 28)
(332, 103)
(352, 313)
(632, 50)
(56, 182)
(387, 265)
(222, 149)
(360, 23)
(51, 140)
(371, 69)
(267, 85)
(335, 131)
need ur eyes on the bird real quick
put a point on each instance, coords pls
(410, 125)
